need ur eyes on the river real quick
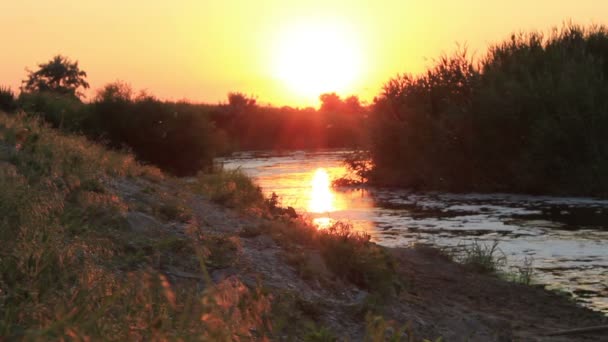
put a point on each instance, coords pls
(565, 238)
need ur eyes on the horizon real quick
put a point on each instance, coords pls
(282, 54)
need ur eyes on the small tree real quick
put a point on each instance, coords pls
(60, 75)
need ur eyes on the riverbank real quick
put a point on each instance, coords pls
(430, 295)
(564, 239)
(97, 246)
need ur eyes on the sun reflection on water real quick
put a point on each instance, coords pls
(321, 198)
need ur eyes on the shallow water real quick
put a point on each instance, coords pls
(566, 238)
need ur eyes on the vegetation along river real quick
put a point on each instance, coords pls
(564, 238)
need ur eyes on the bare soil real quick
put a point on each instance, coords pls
(439, 298)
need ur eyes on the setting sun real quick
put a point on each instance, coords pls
(316, 58)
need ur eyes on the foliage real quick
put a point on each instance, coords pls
(524, 274)
(481, 257)
(528, 117)
(248, 125)
(347, 253)
(175, 136)
(8, 102)
(320, 334)
(351, 255)
(59, 75)
(62, 111)
(232, 189)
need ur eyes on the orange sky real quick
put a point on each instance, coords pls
(200, 50)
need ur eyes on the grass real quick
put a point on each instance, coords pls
(482, 258)
(72, 268)
(523, 274)
(349, 254)
(489, 259)
(232, 189)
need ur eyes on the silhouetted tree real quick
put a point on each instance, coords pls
(60, 75)
(115, 92)
(330, 102)
(7, 100)
(239, 102)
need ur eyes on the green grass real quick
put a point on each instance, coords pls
(480, 257)
(489, 259)
(232, 189)
(523, 274)
(347, 253)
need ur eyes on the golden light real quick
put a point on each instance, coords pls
(315, 58)
(321, 196)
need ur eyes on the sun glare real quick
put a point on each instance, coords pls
(321, 197)
(318, 58)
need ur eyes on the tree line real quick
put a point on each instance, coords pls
(530, 116)
(180, 137)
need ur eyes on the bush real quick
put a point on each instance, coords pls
(347, 253)
(175, 136)
(230, 188)
(482, 258)
(528, 117)
(65, 112)
(8, 102)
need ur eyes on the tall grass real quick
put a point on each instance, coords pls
(526, 117)
(349, 254)
(64, 264)
(231, 188)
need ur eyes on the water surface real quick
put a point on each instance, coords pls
(566, 238)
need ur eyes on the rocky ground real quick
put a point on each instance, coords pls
(439, 298)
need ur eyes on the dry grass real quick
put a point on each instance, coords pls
(64, 264)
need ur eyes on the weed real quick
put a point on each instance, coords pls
(230, 188)
(175, 211)
(319, 334)
(349, 254)
(524, 274)
(481, 257)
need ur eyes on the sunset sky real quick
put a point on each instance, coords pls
(283, 52)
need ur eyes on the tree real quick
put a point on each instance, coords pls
(239, 102)
(60, 75)
(115, 92)
(331, 102)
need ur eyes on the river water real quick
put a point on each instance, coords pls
(565, 239)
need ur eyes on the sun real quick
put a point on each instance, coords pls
(316, 58)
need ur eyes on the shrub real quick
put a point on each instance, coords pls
(176, 136)
(527, 117)
(65, 112)
(349, 254)
(8, 102)
(481, 257)
(230, 188)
